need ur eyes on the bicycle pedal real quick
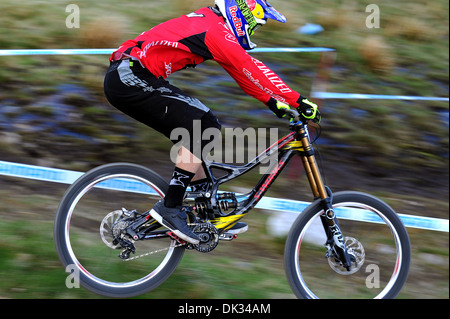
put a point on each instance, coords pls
(175, 237)
(228, 236)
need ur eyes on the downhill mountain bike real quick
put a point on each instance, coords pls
(344, 244)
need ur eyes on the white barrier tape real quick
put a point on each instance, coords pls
(331, 95)
(55, 52)
(109, 51)
(268, 203)
(67, 177)
(38, 173)
(411, 221)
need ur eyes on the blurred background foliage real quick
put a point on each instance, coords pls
(407, 55)
(53, 111)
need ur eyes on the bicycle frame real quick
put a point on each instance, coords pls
(297, 142)
(286, 147)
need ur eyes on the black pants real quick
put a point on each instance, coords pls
(155, 102)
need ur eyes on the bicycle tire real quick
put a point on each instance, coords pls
(297, 270)
(63, 241)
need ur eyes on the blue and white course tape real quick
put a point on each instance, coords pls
(269, 203)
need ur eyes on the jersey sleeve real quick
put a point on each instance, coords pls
(252, 75)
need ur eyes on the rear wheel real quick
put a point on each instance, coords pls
(90, 217)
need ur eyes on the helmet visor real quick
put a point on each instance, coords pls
(271, 12)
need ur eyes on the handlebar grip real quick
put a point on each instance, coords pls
(293, 114)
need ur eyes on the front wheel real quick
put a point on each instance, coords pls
(374, 236)
(94, 212)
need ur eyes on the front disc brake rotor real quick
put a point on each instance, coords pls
(356, 251)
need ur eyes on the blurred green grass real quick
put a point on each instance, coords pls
(249, 267)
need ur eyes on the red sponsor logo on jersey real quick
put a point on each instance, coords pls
(272, 77)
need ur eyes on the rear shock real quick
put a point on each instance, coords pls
(227, 202)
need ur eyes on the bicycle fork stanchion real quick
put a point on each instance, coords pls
(334, 235)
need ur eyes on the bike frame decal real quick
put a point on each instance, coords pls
(269, 179)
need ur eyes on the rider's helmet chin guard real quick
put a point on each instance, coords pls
(243, 17)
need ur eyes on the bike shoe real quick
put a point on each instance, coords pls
(174, 219)
(238, 228)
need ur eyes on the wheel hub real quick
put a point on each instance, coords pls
(112, 229)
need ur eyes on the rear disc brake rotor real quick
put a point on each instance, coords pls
(111, 227)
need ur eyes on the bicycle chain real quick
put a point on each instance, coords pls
(152, 252)
(163, 249)
(159, 250)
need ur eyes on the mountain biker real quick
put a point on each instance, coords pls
(136, 84)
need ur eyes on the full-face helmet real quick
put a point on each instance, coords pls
(243, 17)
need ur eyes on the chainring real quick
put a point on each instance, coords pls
(209, 237)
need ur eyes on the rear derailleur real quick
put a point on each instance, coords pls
(128, 248)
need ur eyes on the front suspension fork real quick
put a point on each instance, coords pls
(329, 221)
(335, 239)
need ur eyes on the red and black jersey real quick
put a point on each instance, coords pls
(199, 36)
